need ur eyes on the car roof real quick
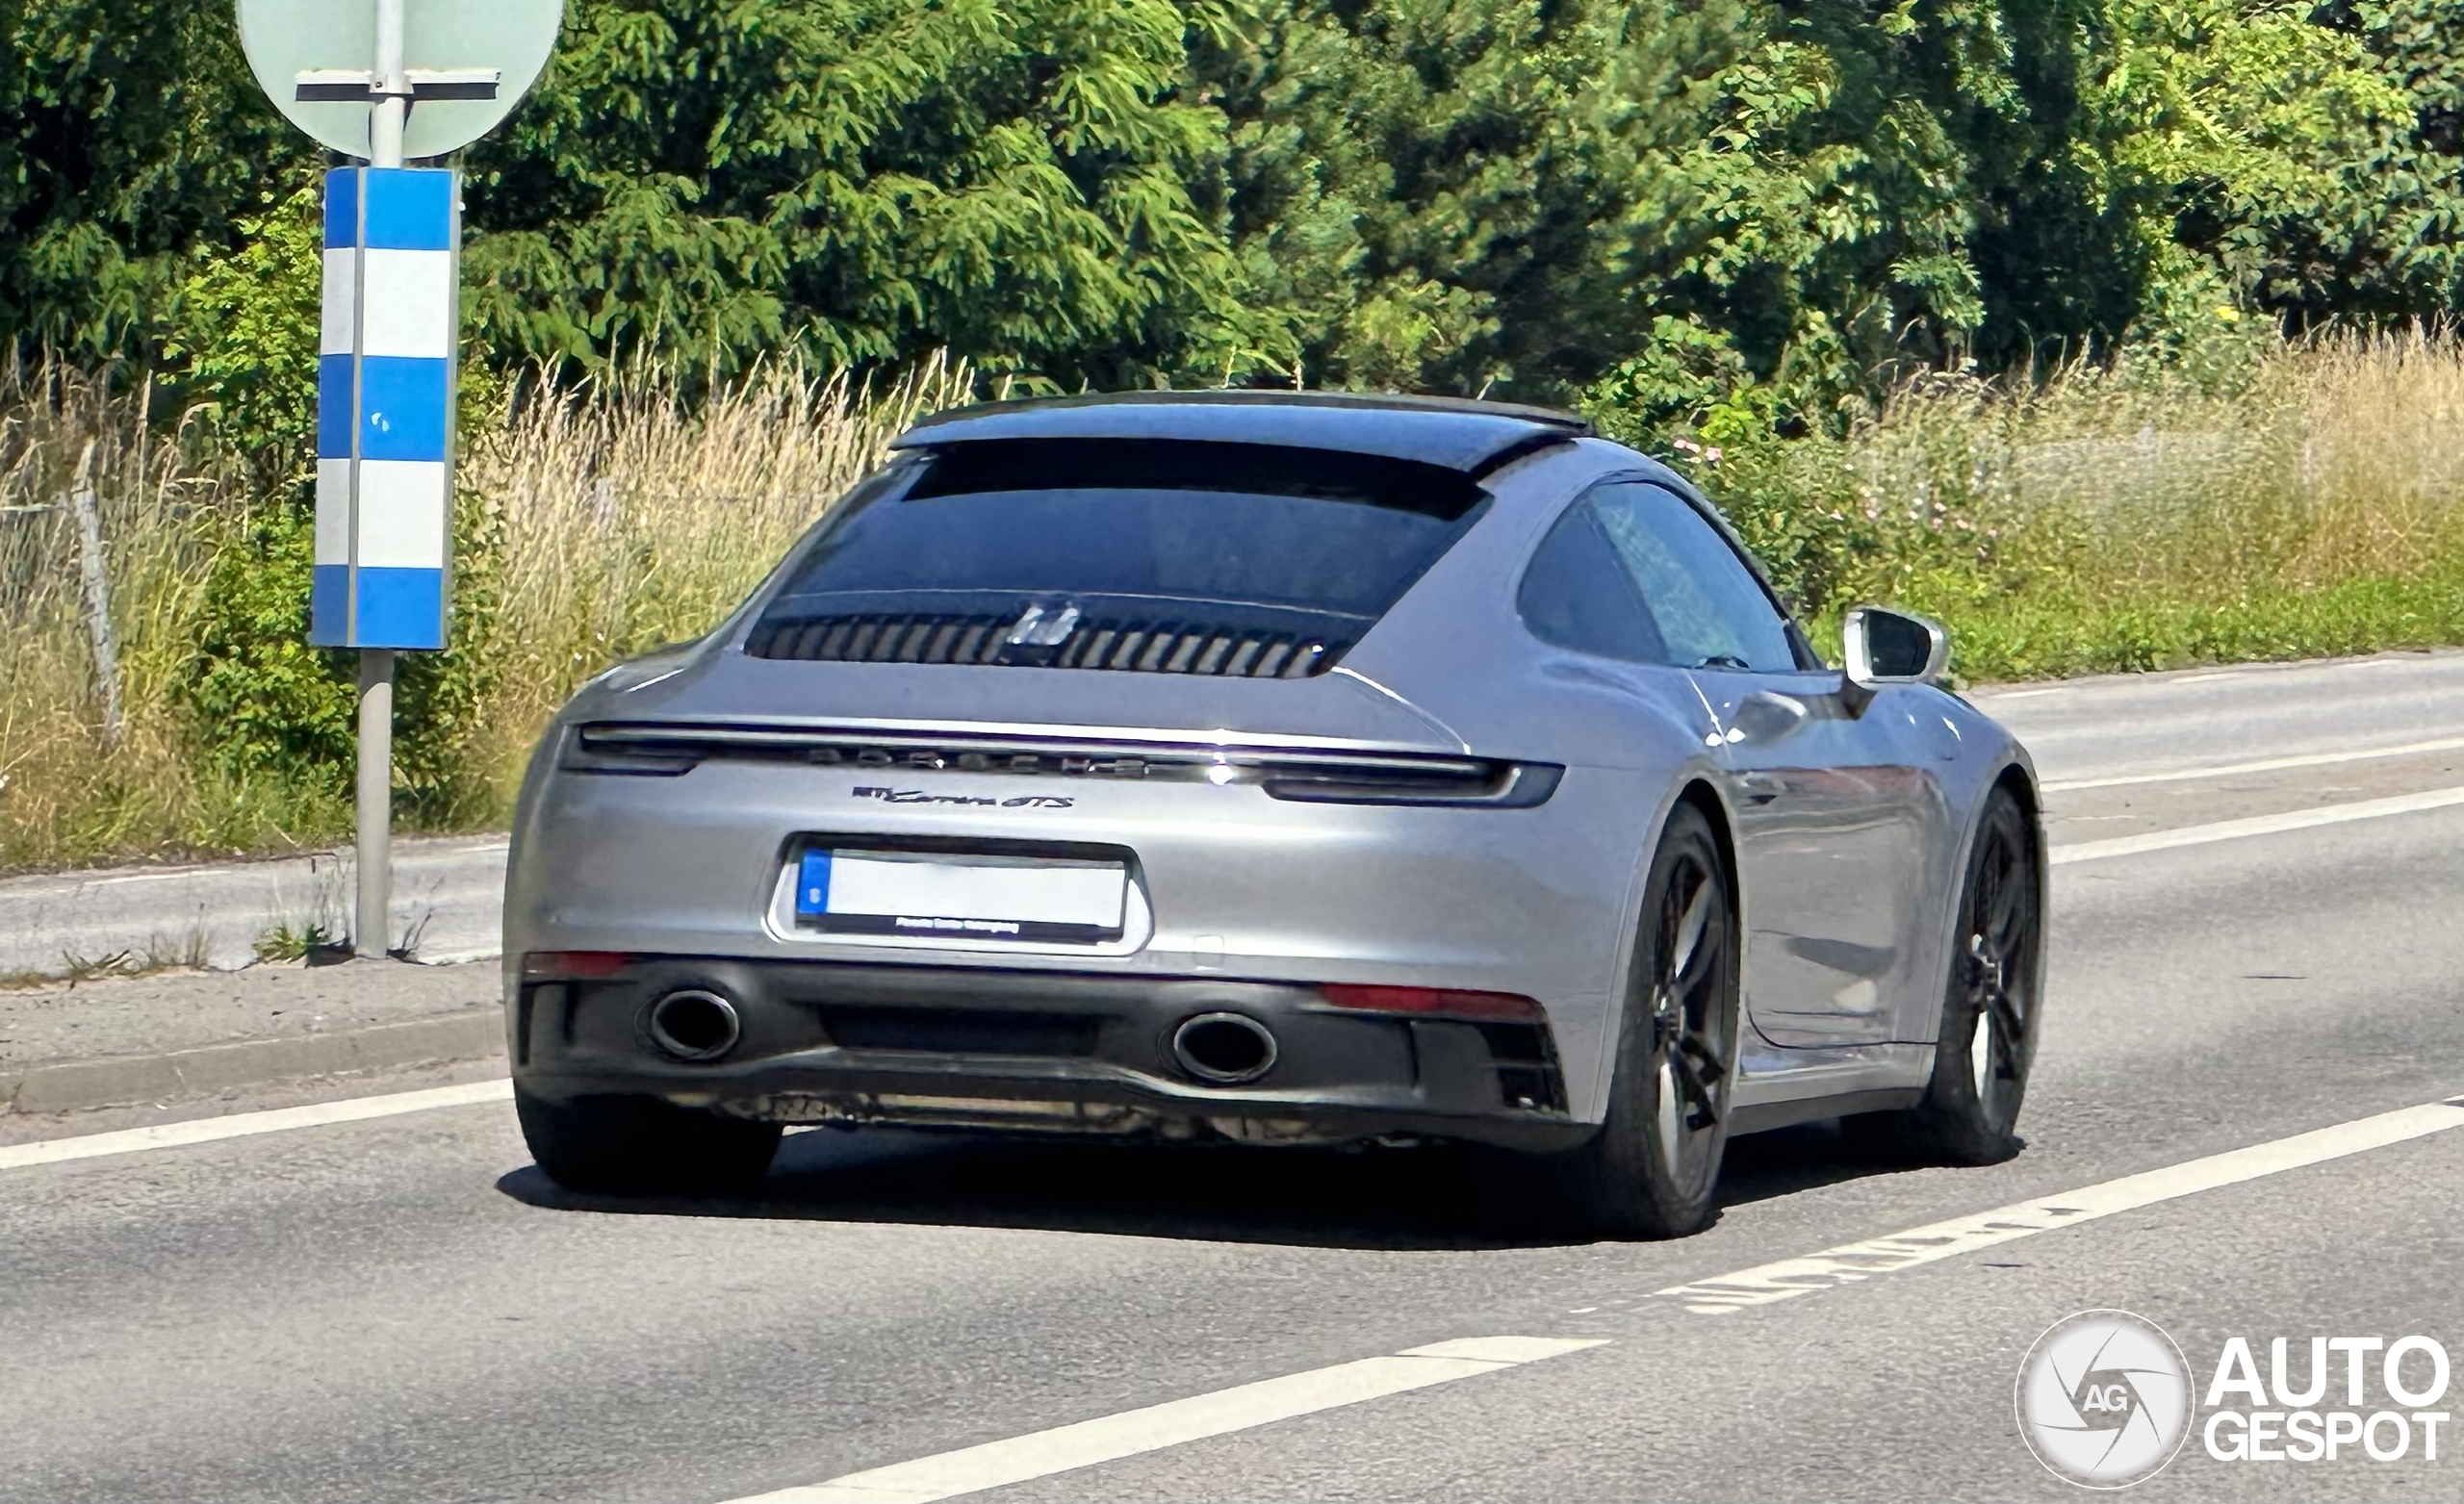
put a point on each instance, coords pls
(1452, 432)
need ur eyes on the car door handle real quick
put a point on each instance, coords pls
(1766, 717)
(1761, 788)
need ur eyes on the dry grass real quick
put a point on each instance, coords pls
(596, 523)
(591, 524)
(66, 788)
(2124, 518)
(2341, 458)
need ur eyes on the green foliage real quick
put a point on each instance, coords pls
(269, 708)
(241, 330)
(132, 139)
(1023, 183)
(1775, 208)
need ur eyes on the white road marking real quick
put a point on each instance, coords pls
(155, 877)
(2230, 770)
(999, 1464)
(2256, 825)
(241, 1124)
(1768, 1282)
(484, 952)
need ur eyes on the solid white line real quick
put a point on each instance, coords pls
(1789, 1278)
(2230, 770)
(2256, 825)
(155, 877)
(240, 1124)
(999, 1464)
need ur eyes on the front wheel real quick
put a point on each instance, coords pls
(1654, 1168)
(641, 1146)
(1971, 1112)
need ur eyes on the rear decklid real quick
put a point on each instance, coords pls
(731, 689)
(1162, 563)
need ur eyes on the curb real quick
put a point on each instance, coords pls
(140, 1079)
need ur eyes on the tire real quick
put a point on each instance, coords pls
(1652, 1170)
(1971, 1112)
(641, 1146)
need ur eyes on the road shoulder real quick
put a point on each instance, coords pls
(193, 1038)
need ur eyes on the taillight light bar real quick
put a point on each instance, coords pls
(1504, 1008)
(1315, 776)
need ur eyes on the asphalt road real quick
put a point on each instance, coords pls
(400, 1308)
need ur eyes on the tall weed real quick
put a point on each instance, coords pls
(2128, 516)
(67, 791)
(592, 522)
(597, 523)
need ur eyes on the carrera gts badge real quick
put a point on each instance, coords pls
(909, 795)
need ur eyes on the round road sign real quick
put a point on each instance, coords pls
(449, 48)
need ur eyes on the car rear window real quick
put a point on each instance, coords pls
(1220, 537)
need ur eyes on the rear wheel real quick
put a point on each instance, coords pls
(1654, 1168)
(641, 1146)
(1970, 1111)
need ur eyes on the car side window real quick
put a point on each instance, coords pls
(1708, 609)
(1577, 594)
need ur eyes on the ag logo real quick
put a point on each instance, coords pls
(2104, 1399)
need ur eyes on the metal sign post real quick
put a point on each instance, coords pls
(386, 349)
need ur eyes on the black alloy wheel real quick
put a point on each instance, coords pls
(1654, 1168)
(1987, 1043)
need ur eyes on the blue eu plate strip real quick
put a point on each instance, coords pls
(813, 883)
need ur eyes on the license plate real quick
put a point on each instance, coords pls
(960, 898)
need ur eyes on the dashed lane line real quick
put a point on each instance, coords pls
(1041, 1454)
(1108, 1439)
(1766, 1283)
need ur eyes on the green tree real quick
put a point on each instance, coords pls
(1669, 199)
(132, 138)
(1026, 183)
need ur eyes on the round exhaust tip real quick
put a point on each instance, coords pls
(1224, 1048)
(695, 1024)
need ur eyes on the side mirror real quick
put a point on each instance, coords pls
(1893, 648)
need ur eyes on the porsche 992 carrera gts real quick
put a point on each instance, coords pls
(1279, 768)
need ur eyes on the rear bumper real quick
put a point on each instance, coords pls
(977, 1048)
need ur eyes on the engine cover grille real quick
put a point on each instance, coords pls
(1122, 645)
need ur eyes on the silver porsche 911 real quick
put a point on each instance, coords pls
(1282, 769)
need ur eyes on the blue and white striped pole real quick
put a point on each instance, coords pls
(384, 439)
(384, 463)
